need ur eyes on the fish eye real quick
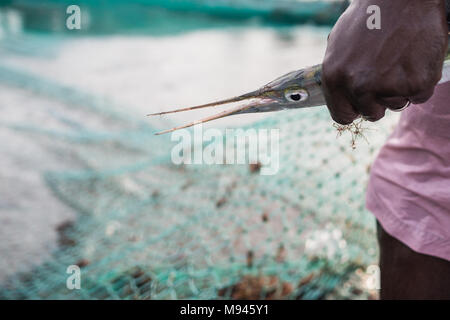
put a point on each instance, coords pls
(296, 95)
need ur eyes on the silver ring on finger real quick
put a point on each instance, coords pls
(402, 108)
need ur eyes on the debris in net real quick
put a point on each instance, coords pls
(231, 187)
(304, 281)
(355, 287)
(250, 258)
(134, 283)
(186, 185)
(221, 202)
(155, 194)
(281, 253)
(355, 128)
(82, 263)
(265, 217)
(256, 288)
(255, 167)
(65, 231)
(311, 283)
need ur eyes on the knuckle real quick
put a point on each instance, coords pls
(392, 103)
(342, 121)
(373, 113)
(376, 115)
(343, 117)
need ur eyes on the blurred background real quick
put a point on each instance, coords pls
(84, 181)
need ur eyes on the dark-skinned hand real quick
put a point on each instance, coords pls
(366, 71)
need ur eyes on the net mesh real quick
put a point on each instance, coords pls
(149, 229)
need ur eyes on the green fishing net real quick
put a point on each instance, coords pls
(148, 229)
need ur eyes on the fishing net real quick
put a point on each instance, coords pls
(148, 229)
(139, 13)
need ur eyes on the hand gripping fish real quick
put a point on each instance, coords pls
(295, 90)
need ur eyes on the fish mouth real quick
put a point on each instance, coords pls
(253, 105)
(246, 96)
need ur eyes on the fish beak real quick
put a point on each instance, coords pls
(257, 101)
(247, 96)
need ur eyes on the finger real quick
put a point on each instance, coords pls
(369, 108)
(341, 109)
(339, 106)
(422, 96)
(392, 103)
